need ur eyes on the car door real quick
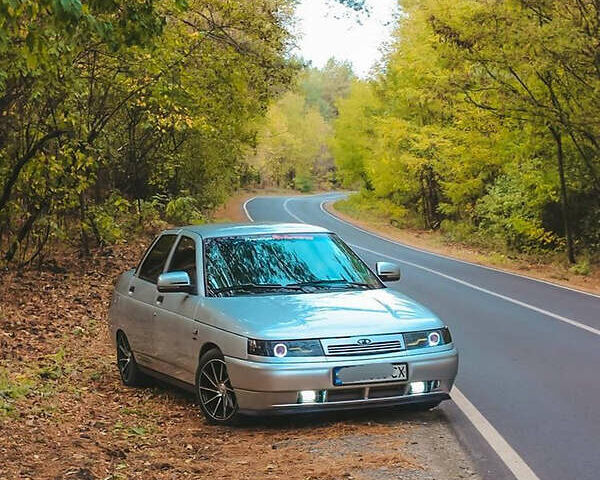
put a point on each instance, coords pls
(176, 331)
(142, 295)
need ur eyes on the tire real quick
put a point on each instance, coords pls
(214, 391)
(128, 368)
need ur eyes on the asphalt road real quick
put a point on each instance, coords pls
(529, 351)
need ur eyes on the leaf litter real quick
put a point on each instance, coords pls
(64, 413)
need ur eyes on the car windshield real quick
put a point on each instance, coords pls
(283, 263)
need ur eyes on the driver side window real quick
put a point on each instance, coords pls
(155, 261)
(184, 258)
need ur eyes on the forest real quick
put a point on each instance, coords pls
(120, 114)
(483, 124)
(481, 121)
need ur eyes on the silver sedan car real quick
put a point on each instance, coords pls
(276, 318)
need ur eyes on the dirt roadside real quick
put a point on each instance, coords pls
(64, 413)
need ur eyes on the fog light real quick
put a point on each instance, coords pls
(417, 387)
(307, 396)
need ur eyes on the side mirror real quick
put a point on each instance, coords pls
(387, 272)
(174, 282)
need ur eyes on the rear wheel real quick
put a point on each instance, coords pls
(130, 373)
(214, 391)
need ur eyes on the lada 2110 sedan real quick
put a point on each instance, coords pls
(276, 318)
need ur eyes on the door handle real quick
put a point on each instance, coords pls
(160, 299)
(131, 289)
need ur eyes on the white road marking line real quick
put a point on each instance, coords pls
(574, 323)
(285, 207)
(440, 255)
(245, 207)
(508, 455)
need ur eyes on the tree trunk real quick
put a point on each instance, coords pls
(21, 162)
(84, 250)
(23, 232)
(563, 193)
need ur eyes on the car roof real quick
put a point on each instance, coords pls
(210, 230)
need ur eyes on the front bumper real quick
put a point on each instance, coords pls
(273, 387)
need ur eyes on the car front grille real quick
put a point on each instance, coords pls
(374, 345)
(372, 348)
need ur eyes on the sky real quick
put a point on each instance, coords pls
(328, 29)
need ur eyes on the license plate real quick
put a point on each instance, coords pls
(373, 373)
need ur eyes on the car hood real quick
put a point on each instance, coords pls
(319, 315)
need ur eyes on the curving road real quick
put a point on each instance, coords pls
(527, 403)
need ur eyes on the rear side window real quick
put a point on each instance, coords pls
(156, 259)
(184, 258)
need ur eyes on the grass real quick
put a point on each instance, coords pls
(37, 379)
(12, 388)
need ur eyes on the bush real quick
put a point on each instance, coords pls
(304, 183)
(366, 205)
(581, 268)
(511, 212)
(183, 211)
(149, 215)
(462, 232)
(109, 220)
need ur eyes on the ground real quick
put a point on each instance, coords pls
(552, 271)
(64, 413)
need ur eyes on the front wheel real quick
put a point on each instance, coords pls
(214, 391)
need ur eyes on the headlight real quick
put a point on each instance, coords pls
(427, 338)
(285, 348)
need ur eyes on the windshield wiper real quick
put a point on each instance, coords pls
(330, 283)
(254, 287)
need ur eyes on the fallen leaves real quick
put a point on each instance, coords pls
(69, 416)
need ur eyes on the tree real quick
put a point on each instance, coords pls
(476, 97)
(322, 88)
(291, 143)
(127, 103)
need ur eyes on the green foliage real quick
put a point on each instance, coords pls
(483, 122)
(503, 214)
(365, 205)
(149, 214)
(105, 107)
(110, 220)
(293, 142)
(581, 268)
(354, 137)
(54, 366)
(459, 231)
(183, 210)
(304, 183)
(11, 389)
(322, 88)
